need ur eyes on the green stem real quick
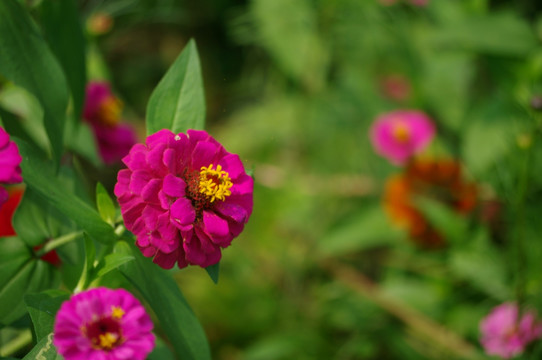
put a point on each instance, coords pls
(519, 245)
(54, 243)
(23, 339)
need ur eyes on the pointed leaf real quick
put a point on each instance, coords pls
(42, 308)
(213, 272)
(178, 102)
(166, 299)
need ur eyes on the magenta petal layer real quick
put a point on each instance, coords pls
(114, 142)
(10, 172)
(184, 197)
(504, 334)
(398, 135)
(103, 324)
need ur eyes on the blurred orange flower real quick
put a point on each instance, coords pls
(438, 179)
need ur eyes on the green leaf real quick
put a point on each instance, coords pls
(62, 28)
(35, 221)
(452, 225)
(39, 174)
(497, 33)
(164, 296)
(20, 273)
(113, 261)
(366, 229)
(44, 350)
(105, 205)
(26, 60)
(213, 272)
(42, 308)
(178, 101)
(482, 265)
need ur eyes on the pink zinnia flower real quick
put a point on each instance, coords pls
(10, 171)
(103, 324)
(102, 110)
(504, 334)
(398, 135)
(184, 197)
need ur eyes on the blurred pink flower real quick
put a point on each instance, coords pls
(398, 135)
(396, 87)
(504, 334)
(103, 324)
(10, 159)
(102, 110)
(184, 197)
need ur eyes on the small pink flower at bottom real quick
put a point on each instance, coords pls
(398, 135)
(506, 335)
(103, 324)
(184, 197)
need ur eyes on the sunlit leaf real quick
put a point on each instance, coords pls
(178, 101)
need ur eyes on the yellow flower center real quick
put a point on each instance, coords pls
(109, 111)
(108, 340)
(401, 132)
(214, 183)
(117, 312)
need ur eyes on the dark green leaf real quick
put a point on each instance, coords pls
(213, 272)
(26, 60)
(62, 28)
(42, 308)
(162, 293)
(39, 174)
(178, 102)
(35, 221)
(44, 350)
(20, 273)
(105, 205)
(482, 265)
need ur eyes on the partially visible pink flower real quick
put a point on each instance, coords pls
(184, 197)
(398, 135)
(103, 324)
(114, 142)
(102, 110)
(10, 159)
(504, 334)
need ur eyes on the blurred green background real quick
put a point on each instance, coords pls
(293, 87)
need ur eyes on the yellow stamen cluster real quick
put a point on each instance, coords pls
(401, 132)
(215, 184)
(109, 112)
(108, 340)
(117, 312)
